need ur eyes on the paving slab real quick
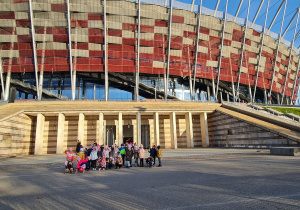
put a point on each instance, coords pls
(225, 179)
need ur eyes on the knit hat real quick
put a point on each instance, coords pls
(81, 149)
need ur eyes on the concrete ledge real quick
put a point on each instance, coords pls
(285, 151)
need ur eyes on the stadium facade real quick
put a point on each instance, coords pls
(59, 48)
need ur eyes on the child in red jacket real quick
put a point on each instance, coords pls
(81, 165)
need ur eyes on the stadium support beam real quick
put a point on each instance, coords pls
(243, 49)
(290, 23)
(260, 52)
(1, 77)
(166, 75)
(277, 50)
(297, 35)
(105, 52)
(257, 12)
(216, 9)
(295, 83)
(192, 5)
(39, 87)
(298, 92)
(196, 49)
(238, 10)
(290, 57)
(137, 73)
(221, 54)
(72, 74)
(277, 13)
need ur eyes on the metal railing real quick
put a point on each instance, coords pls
(286, 118)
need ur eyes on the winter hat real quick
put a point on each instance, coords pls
(122, 145)
(81, 149)
(158, 147)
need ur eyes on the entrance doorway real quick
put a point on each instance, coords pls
(110, 134)
(128, 134)
(145, 136)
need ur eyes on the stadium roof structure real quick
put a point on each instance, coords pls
(164, 49)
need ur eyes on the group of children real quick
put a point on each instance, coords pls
(101, 158)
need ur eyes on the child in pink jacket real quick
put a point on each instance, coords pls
(142, 155)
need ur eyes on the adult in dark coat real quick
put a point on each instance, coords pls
(128, 155)
(78, 146)
(152, 152)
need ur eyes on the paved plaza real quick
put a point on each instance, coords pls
(189, 179)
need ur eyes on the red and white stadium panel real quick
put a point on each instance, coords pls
(87, 37)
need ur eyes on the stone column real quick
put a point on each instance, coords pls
(120, 125)
(156, 128)
(39, 134)
(60, 134)
(208, 93)
(139, 127)
(80, 134)
(204, 129)
(101, 131)
(173, 130)
(189, 130)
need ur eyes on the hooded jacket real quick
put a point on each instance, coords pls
(94, 154)
(142, 153)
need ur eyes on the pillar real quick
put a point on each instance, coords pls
(101, 135)
(208, 93)
(120, 125)
(204, 129)
(156, 128)
(39, 134)
(80, 134)
(173, 130)
(189, 130)
(60, 134)
(138, 127)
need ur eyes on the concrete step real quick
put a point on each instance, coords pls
(290, 133)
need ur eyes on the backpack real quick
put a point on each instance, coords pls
(122, 152)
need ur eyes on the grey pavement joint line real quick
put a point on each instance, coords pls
(244, 200)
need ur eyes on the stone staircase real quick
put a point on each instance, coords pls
(269, 113)
(281, 126)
